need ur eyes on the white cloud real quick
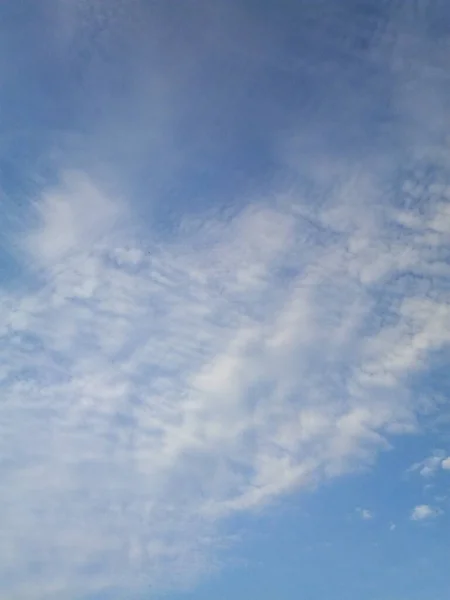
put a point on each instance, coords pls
(165, 385)
(424, 511)
(70, 216)
(429, 466)
(446, 464)
(365, 514)
(153, 383)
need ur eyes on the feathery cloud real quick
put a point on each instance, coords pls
(167, 384)
(156, 382)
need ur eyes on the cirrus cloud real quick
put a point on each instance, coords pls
(166, 384)
(156, 382)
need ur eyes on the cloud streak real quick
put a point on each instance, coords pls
(157, 381)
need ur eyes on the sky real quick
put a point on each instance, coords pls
(224, 299)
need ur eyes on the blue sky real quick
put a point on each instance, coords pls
(224, 301)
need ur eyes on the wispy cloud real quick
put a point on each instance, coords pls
(156, 382)
(365, 514)
(429, 466)
(151, 387)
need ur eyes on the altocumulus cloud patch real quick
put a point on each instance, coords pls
(161, 374)
(150, 390)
